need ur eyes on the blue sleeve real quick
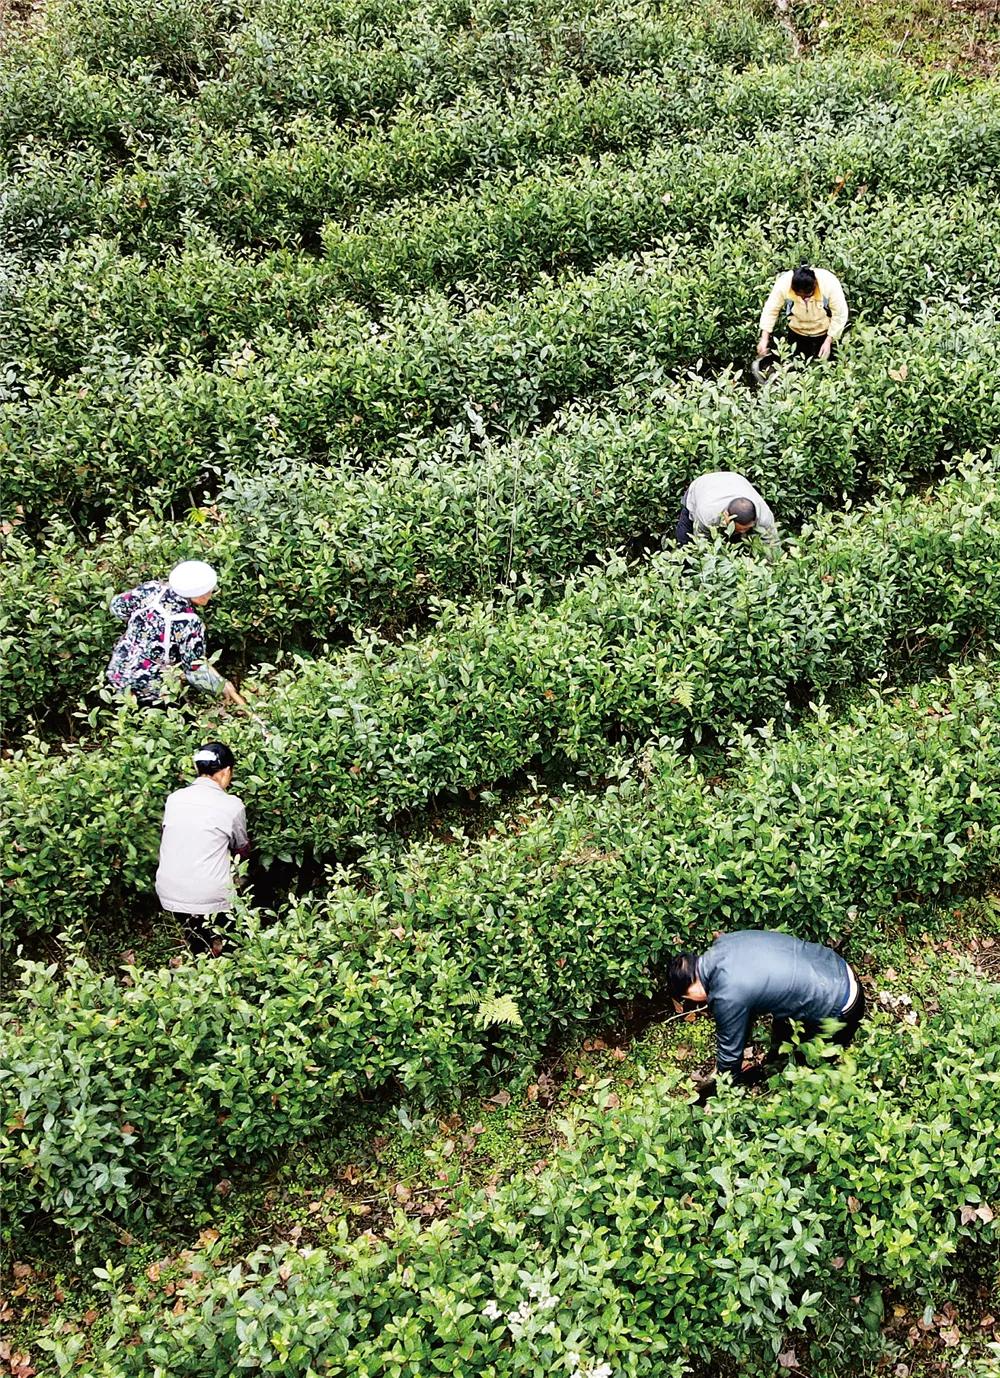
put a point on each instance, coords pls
(732, 1020)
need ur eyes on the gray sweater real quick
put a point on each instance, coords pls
(753, 972)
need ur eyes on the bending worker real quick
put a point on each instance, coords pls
(812, 302)
(751, 972)
(203, 828)
(164, 629)
(725, 502)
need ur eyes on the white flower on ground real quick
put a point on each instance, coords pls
(491, 1311)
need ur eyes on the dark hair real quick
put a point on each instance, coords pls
(803, 281)
(742, 510)
(681, 973)
(213, 757)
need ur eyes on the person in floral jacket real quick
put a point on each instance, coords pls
(163, 629)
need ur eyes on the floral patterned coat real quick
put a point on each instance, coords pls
(162, 629)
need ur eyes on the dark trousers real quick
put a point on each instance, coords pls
(201, 930)
(849, 1020)
(684, 531)
(809, 345)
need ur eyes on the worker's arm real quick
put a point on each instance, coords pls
(838, 310)
(190, 635)
(123, 604)
(732, 1020)
(773, 308)
(239, 840)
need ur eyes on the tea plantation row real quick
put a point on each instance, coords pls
(60, 89)
(63, 86)
(207, 294)
(656, 1237)
(511, 227)
(362, 738)
(303, 552)
(284, 192)
(122, 1096)
(123, 426)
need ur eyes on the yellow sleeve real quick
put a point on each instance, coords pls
(774, 305)
(838, 309)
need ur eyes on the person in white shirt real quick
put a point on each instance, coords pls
(204, 827)
(813, 304)
(726, 502)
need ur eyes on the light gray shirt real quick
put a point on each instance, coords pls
(710, 495)
(202, 827)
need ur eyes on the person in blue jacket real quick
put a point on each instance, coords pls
(754, 972)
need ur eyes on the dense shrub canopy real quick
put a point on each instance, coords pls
(416, 320)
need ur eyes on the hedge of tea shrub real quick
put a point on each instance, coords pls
(502, 233)
(60, 93)
(122, 426)
(187, 36)
(359, 739)
(119, 1095)
(304, 554)
(657, 1236)
(280, 190)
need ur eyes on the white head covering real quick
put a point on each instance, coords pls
(193, 578)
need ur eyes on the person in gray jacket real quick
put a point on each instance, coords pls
(204, 827)
(754, 972)
(724, 501)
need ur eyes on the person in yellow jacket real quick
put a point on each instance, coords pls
(812, 302)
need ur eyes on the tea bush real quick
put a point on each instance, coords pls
(303, 553)
(119, 1093)
(50, 93)
(280, 191)
(87, 444)
(656, 1237)
(361, 738)
(513, 226)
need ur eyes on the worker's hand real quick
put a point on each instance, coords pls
(229, 693)
(763, 345)
(825, 348)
